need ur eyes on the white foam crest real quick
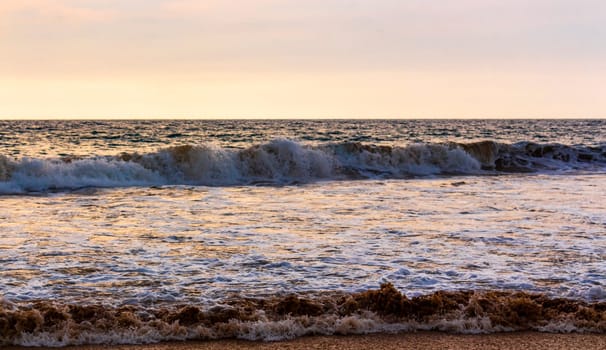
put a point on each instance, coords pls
(41, 174)
(280, 161)
(284, 161)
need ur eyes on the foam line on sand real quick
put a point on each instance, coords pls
(419, 340)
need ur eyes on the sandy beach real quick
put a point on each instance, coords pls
(420, 340)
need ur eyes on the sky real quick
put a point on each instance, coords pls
(302, 59)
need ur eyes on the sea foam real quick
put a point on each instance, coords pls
(283, 317)
(286, 162)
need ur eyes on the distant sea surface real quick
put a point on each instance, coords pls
(142, 231)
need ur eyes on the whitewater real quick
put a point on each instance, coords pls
(143, 231)
(285, 162)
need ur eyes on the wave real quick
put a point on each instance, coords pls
(287, 162)
(48, 323)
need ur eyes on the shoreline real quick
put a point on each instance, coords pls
(416, 340)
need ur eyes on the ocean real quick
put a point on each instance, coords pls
(120, 232)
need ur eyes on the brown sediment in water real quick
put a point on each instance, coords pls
(129, 157)
(283, 317)
(70, 159)
(358, 147)
(484, 151)
(6, 168)
(181, 154)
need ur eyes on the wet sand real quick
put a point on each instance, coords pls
(420, 340)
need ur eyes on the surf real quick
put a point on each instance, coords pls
(283, 161)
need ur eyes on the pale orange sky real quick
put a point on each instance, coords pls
(293, 58)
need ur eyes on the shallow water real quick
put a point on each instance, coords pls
(196, 244)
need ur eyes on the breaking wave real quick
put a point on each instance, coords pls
(288, 162)
(49, 323)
